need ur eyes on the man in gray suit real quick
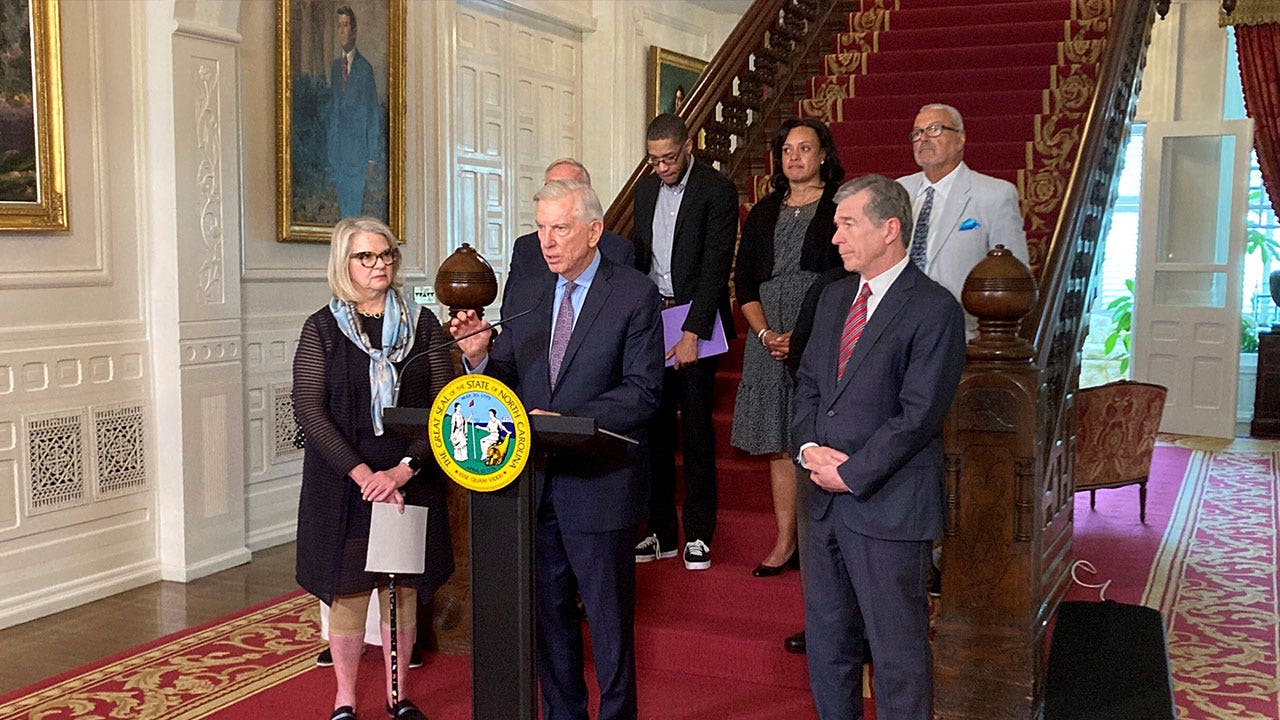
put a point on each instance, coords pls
(875, 383)
(959, 214)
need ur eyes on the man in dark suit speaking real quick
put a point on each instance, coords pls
(592, 347)
(527, 263)
(874, 386)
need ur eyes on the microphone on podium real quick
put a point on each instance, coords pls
(454, 341)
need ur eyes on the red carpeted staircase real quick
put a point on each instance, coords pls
(1021, 72)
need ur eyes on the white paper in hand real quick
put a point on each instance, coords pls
(397, 543)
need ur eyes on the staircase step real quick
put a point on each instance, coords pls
(884, 159)
(954, 15)
(1045, 53)
(698, 618)
(934, 80)
(928, 40)
(906, 106)
(887, 131)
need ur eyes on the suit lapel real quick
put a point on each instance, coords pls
(952, 210)
(886, 310)
(591, 305)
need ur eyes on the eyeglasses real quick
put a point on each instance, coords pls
(930, 130)
(667, 160)
(390, 256)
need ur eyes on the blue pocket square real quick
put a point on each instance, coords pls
(969, 224)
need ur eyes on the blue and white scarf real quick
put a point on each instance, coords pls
(397, 339)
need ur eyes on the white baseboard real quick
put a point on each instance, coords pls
(269, 537)
(238, 556)
(47, 601)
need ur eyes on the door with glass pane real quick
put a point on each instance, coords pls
(1187, 310)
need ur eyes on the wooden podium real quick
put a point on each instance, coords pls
(503, 650)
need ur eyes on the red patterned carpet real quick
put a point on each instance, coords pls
(1207, 562)
(1206, 559)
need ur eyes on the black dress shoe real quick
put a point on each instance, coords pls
(792, 562)
(795, 643)
(346, 712)
(405, 710)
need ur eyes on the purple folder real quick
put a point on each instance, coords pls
(672, 330)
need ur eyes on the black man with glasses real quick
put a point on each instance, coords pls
(959, 214)
(686, 222)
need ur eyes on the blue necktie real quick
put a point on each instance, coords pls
(562, 331)
(920, 236)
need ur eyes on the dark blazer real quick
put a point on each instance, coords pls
(755, 251)
(612, 371)
(339, 432)
(887, 410)
(702, 253)
(527, 264)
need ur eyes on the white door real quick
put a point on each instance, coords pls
(1186, 315)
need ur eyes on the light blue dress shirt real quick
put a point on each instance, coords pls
(664, 231)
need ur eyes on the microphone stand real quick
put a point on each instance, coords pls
(454, 341)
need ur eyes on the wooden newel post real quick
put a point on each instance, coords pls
(464, 281)
(1006, 546)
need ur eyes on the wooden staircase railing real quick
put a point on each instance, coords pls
(739, 88)
(1010, 437)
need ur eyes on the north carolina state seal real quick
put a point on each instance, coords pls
(479, 433)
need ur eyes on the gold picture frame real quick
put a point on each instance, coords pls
(334, 159)
(671, 78)
(33, 170)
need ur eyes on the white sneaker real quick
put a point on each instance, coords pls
(697, 556)
(650, 549)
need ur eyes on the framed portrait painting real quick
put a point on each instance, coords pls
(339, 115)
(671, 78)
(33, 175)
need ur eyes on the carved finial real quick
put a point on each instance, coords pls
(1162, 8)
(999, 291)
(465, 281)
(1228, 6)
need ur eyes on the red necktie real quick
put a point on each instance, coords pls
(345, 71)
(853, 324)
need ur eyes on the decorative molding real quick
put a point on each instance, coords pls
(209, 351)
(75, 592)
(55, 457)
(211, 33)
(561, 14)
(211, 279)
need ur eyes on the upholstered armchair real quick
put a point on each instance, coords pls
(1116, 427)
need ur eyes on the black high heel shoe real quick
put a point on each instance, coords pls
(793, 562)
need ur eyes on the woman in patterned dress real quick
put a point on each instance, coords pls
(786, 242)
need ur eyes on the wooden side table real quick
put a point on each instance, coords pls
(1266, 401)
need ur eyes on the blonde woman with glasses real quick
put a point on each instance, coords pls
(346, 370)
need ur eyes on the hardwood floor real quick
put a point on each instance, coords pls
(41, 648)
